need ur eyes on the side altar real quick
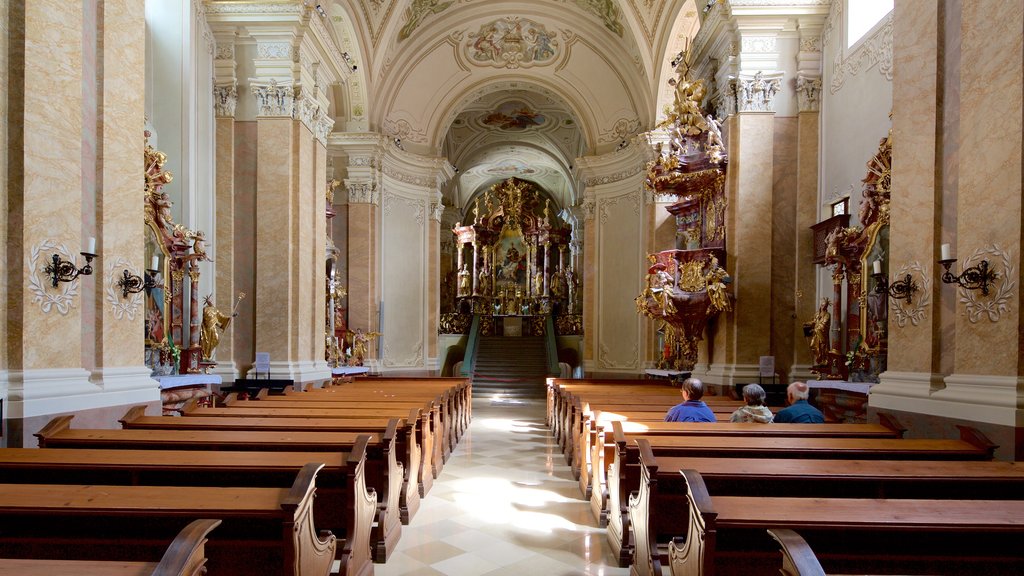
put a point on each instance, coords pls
(511, 262)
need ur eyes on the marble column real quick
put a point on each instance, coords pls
(225, 99)
(434, 276)
(119, 319)
(319, 325)
(744, 335)
(44, 155)
(363, 231)
(808, 94)
(915, 213)
(985, 383)
(589, 279)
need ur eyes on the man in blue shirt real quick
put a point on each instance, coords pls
(799, 411)
(692, 409)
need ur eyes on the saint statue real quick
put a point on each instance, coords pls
(820, 326)
(213, 323)
(464, 281)
(538, 284)
(716, 279)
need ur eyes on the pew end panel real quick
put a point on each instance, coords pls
(646, 561)
(797, 557)
(693, 555)
(976, 438)
(310, 552)
(187, 553)
(53, 428)
(620, 474)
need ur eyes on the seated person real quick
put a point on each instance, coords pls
(692, 409)
(799, 411)
(755, 410)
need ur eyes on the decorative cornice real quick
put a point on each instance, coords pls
(273, 99)
(362, 192)
(436, 210)
(808, 92)
(757, 93)
(810, 44)
(225, 97)
(875, 51)
(274, 51)
(589, 208)
(304, 110)
(253, 8)
(225, 51)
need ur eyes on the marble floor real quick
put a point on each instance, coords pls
(504, 504)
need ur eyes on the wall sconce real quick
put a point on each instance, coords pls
(973, 278)
(60, 270)
(133, 284)
(900, 290)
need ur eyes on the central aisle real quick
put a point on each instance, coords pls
(505, 504)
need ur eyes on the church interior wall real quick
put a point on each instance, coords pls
(404, 257)
(949, 142)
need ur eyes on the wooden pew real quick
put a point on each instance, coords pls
(263, 530)
(623, 476)
(186, 556)
(383, 471)
(409, 445)
(425, 432)
(798, 558)
(656, 510)
(725, 535)
(343, 504)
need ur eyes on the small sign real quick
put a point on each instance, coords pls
(767, 367)
(262, 362)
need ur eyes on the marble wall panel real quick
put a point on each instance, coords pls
(433, 286)
(275, 232)
(121, 217)
(48, 198)
(991, 136)
(225, 226)
(244, 254)
(784, 238)
(590, 267)
(4, 150)
(618, 345)
(945, 307)
(404, 256)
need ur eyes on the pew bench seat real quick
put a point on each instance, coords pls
(263, 530)
(186, 556)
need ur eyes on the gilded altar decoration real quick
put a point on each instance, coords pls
(859, 314)
(360, 345)
(180, 249)
(512, 258)
(687, 287)
(455, 323)
(214, 322)
(511, 42)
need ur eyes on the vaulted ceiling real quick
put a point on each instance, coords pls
(506, 88)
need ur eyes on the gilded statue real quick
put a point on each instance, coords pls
(820, 326)
(659, 288)
(538, 284)
(213, 323)
(716, 278)
(360, 340)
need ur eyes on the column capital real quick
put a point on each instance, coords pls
(362, 192)
(322, 125)
(225, 97)
(808, 92)
(273, 98)
(756, 92)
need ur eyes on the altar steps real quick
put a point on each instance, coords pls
(512, 367)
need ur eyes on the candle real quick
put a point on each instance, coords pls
(946, 253)
(877, 266)
(91, 249)
(155, 263)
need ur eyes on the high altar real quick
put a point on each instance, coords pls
(510, 262)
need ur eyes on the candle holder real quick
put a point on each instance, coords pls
(60, 270)
(977, 277)
(133, 283)
(901, 289)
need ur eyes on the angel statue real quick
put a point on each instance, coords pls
(360, 340)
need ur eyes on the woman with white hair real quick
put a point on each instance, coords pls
(755, 410)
